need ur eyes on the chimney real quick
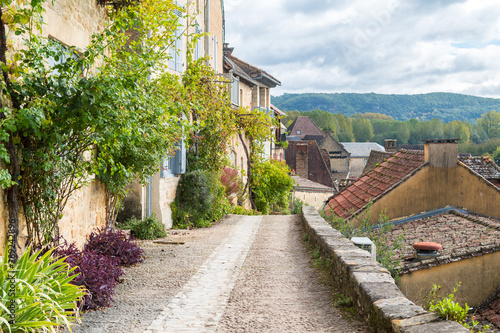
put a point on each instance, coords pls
(390, 145)
(227, 50)
(301, 162)
(441, 153)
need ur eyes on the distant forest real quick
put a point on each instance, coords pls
(481, 137)
(445, 106)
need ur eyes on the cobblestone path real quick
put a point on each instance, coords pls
(245, 274)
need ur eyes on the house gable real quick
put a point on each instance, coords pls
(376, 183)
(304, 126)
(434, 187)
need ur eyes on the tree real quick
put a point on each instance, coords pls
(490, 122)
(362, 129)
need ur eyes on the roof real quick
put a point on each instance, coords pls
(361, 149)
(483, 166)
(376, 157)
(254, 73)
(306, 127)
(376, 183)
(462, 237)
(306, 184)
(278, 111)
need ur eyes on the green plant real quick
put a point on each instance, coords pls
(449, 308)
(45, 297)
(297, 205)
(238, 210)
(200, 200)
(148, 228)
(446, 307)
(271, 186)
(387, 250)
(343, 301)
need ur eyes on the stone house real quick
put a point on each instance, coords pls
(359, 153)
(339, 156)
(309, 162)
(71, 22)
(207, 17)
(311, 193)
(411, 182)
(470, 249)
(484, 166)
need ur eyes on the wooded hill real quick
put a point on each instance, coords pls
(444, 106)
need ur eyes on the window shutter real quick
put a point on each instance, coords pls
(179, 159)
(215, 53)
(179, 46)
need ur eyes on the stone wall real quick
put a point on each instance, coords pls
(373, 291)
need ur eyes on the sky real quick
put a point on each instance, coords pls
(387, 47)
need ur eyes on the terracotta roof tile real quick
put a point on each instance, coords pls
(377, 182)
(462, 237)
(483, 166)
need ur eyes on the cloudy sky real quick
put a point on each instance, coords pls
(381, 46)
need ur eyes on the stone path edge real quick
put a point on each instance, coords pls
(373, 291)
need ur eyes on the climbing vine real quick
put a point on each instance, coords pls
(111, 111)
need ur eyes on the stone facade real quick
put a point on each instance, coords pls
(71, 22)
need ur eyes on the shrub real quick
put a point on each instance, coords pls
(238, 210)
(45, 293)
(297, 206)
(129, 207)
(99, 274)
(200, 199)
(386, 250)
(116, 243)
(149, 228)
(231, 182)
(271, 186)
(449, 309)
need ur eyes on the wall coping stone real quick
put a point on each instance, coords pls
(373, 291)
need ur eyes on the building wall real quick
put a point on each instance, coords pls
(437, 187)
(84, 212)
(339, 157)
(315, 199)
(418, 283)
(73, 21)
(356, 166)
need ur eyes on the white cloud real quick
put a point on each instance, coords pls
(371, 46)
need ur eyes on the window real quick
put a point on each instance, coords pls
(197, 47)
(298, 132)
(235, 87)
(176, 164)
(176, 62)
(215, 53)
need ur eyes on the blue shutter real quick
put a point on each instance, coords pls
(179, 159)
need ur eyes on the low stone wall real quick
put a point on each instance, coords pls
(373, 291)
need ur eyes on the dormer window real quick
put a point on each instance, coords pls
(298, 132)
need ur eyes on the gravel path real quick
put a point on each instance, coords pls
(276, 289)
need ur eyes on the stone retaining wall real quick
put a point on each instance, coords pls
(373, 291)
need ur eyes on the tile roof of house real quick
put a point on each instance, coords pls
(376, 183)
(376, 157)
(483, 166)
(462, 237)
(361, 149)
(278, 111)
(306, 127)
